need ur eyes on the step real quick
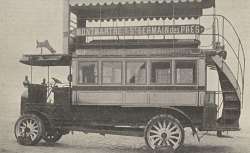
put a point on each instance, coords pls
(231, 104)
(232, 100)
(229, 122)
(230, 117)
(228, 87)
(235, 99)
(230, 97)
(232, 108)
(228, 91)
(213, 68)
(227, 128)
(231, 111)
(225, 81)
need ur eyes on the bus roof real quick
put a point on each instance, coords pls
(138, 9)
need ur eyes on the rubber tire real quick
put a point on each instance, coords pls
(56, 137)
(167, 117)
(41, 129)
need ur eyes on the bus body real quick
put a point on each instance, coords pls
(153, 88)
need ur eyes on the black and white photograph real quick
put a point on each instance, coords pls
(124, 76)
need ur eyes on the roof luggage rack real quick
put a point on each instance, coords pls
(142, 43)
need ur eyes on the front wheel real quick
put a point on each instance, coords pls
(29, 129)
(164, 131)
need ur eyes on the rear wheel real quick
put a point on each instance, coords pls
(29, 129)
(164, 131)
(52, 135)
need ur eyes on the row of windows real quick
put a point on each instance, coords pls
(136, 72)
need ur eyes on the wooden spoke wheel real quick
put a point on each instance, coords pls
(164, 131)
(29, 129)
(52, 135)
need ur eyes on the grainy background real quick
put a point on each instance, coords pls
(22, 22)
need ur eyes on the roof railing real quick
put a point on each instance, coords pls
(235, 46)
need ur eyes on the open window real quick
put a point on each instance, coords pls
(112, 72)
(136, 73)
(88, 73)
(185, 72)
(161, 72)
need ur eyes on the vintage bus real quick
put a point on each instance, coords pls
(137, 69)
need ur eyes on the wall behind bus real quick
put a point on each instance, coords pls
(24, 22)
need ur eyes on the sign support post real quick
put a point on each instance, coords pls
(66, 18)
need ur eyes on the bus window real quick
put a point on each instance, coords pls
(88, 73)
(161, 72)
(112, 72)
(136, 72)
(185, 72)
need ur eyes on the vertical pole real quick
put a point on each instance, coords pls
(70, 83)
(66, 22)
(198, 35)
(238, 62)
(31, 76)
(31, 69)
(223, 31)
(164, 36)
(48, 75)
(174, 25)
(124, 24)
(80, 40)
(214, 30)
(48, 92)
(218, 90)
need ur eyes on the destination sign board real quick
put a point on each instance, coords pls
(190, 29)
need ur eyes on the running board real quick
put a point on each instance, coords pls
(103, 130)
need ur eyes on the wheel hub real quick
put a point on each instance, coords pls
(27, 130)
(164, 135)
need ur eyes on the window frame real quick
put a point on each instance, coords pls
(97, 72)
(146, 72)
(195, 81)
(101, 65)
(171, 72)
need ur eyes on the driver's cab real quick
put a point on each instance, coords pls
(50, 90)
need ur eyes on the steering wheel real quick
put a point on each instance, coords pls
(56, 81)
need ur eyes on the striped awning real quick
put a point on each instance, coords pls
(208, 3)
(137, 9)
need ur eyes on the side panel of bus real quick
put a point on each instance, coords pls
(100, 96)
